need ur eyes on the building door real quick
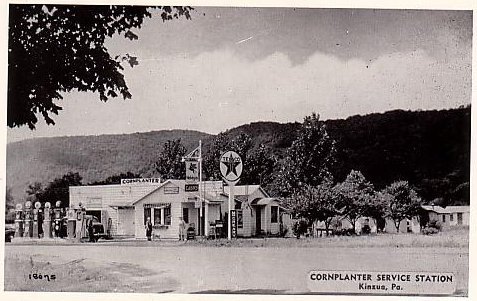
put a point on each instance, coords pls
(459, 218)
(125, 222)
(258, 214)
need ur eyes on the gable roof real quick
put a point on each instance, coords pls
(243, 191)
(151, 192)
(181, 184)
(447, 210)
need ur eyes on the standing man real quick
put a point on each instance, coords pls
(182, 227)
(91, 230)
(148, 229)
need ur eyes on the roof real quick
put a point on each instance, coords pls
(115, 194)
(263, 201)
(447, 210)
(245, 190)
(181, 184)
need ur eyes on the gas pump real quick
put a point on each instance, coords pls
(47, 230)
(36, 232)
(71, 223)
(57, 219)
(63, 224)
(28, 220)
(19, 220)
(80, 222)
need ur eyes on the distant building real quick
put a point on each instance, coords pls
(450, 215)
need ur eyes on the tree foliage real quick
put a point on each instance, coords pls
(170, 165)
(310, 158)
(56, 190)
(58, 48)
(9, 200)
(314, 204)
(355, 197)
(220, 144)
(402, 202)
(116, 179)
(260, 167)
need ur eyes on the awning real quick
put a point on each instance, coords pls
(157, 205)
(263, 201)
(122, 206)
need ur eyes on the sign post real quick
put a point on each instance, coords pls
(194, 183)
(231, 169)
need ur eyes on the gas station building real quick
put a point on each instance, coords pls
(124, 208)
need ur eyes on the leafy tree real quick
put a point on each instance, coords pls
(170, 164)
(35, 191)
(260, 167)
(211, 158)
(402, 202)
(9, 205)
(58, 189)
(58, 48)
(355, 197)
(9, 201)
(314, 204)
(310, 158)
(242, 144)
(116, 179)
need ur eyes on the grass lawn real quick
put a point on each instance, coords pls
(451, 238)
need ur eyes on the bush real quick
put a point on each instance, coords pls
(366, 229)
(429, 231)
(344, 232)
(284, 231)
(299, 228)
(435, 224)
(433, 227)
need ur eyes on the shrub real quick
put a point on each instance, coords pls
(433, 227)
(429, 231)
(344, 232)
(366, 229)
(299, 228)
(284, 231)
(435, 224)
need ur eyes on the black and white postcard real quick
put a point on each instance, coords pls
(226, 149)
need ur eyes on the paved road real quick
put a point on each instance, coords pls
(268, 270)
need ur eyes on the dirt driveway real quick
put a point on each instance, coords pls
(155, 269)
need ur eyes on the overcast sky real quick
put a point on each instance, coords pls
(230, 66)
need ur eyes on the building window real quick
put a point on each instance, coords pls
(459, 218)
(147, 214)
(239, 219)
(274, 214)
(451, 217)
(185, 215)
(443, 218)
(157, 216)
(167, 215)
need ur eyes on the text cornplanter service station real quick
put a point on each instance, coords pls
(384, 283)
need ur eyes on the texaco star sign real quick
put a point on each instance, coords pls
(231, 166)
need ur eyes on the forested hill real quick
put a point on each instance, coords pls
(431, 149)
(94, 157)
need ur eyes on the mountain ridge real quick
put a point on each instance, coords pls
(419, 146)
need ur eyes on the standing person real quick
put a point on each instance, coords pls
(90, 230)
(182, 227)
(148, 229)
